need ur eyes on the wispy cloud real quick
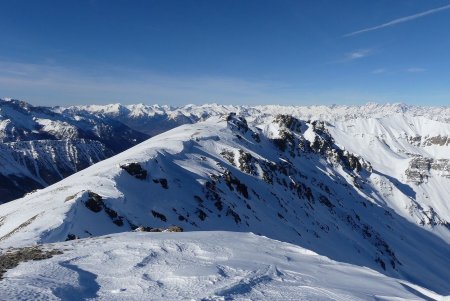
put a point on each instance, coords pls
(415, 70)
(356, 55)
(379, 71)
(399, 20)
(52, 85)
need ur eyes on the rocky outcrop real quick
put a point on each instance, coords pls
(12, 258)
(421, 168)
(291, 139)
(135, 170)
(438, 140)
(95, 203)
(427, 216)
(151, 229)
(237, 122)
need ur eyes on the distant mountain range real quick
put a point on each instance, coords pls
(40, 146)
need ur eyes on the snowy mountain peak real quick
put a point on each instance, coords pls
(362, 185)
(40, 146)
(313, 183)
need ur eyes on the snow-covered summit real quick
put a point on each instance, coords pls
(304, 182)
(197, 266)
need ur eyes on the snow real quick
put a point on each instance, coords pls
(328, 113)
(361, 226)
(376, 224)
(384, 143)
(58, 128)
(39, 146)
(197, 266)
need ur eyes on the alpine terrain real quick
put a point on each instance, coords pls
(327, 203)
(40, 146)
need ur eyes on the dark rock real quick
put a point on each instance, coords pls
(289, 122)
(143, 229)
(159, 215)
(324, 200)
(174, 229)
(229, 156)
(201, 214)
(162, 182)
(212, 194)
(135, 169)
(437, 140)
(150, 229)
(236, 217)
(237, 122)
(71, 237)
(118, 220)
(246, 162)
(198, 199)
(230, 180)
(419, 169)
(94, 202)
(13, 258)
(381, 263)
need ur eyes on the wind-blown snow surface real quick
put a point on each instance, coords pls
(287, 179)
(197, 266)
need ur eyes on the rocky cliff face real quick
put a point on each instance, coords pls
(421, 168)
(30, 165)
(429, 141)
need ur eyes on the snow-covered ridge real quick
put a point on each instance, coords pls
(305, 182)
(365, 185)
(197, 266)
(39, 146)
(20, 121)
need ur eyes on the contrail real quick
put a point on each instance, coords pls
(400, 20)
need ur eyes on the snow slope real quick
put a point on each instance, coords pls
(197, 266)
(29, 165)
(410, 144)
(39, 147)
(414, 152)
(285, 178)
(119, 127)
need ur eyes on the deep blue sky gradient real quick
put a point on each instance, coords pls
(228, 51)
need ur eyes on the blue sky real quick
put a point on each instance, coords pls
(228, 51)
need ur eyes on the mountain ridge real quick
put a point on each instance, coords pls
(289, 179)
(40, 147)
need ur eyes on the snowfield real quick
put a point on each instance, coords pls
(197, 266)
(370, 194)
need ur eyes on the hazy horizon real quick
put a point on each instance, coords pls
(330, 105)
(229, 52)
